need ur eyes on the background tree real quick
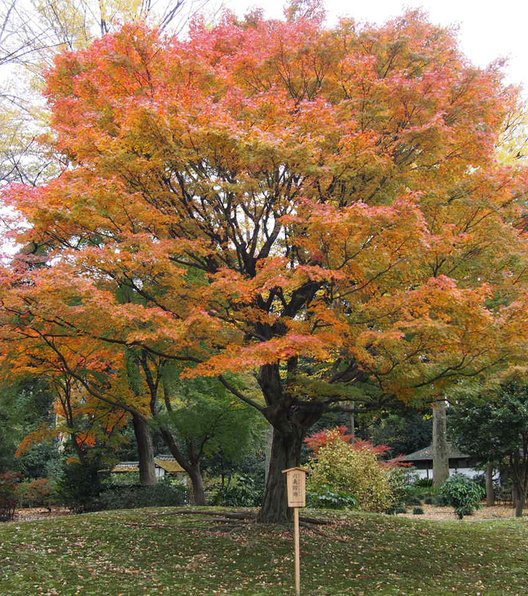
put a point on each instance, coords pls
(88, 380)
(209, 423)
(513, 147)
(25, 406)
(318, 206)
(32, 33)
(404, 430)
(492, 425)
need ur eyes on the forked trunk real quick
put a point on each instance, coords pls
(290, 419)
(285, 453)
(147, 468)
(193, 470)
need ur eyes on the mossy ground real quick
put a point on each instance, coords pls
(158, 551)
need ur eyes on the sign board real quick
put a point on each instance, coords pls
(296, 485)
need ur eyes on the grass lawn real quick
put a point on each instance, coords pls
(151, 551)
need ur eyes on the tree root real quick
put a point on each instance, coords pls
(240, 515)
(248, 515)
(316, 521)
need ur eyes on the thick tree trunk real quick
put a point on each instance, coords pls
(520, 500)
(198, 490)
(290, 418)
(490, 493)
(194, 471)
(440, 448)
(520, 485)
(147, 468)
(285, 453)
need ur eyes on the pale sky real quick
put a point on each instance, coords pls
(487, 29)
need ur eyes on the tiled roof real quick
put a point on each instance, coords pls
(427, 454)
(169, 464)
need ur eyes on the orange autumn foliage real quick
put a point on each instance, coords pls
(320, 206)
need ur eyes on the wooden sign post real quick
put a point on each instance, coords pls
(296, 485)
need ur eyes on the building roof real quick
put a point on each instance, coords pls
(426, 454)
(166, 462)
(169, 464)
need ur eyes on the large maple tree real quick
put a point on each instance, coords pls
(320, 206)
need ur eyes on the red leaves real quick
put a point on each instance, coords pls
(340, 433)
(323, 437)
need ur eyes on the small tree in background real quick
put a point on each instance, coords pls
(25, 406)
(463, 494)
(8, 497)
(206, 422)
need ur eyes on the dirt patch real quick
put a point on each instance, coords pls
(33, 513)
(446, 513)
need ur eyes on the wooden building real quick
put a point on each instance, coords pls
(165, 464)
(461, 463)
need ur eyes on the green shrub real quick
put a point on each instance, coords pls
(163, 494)
(244, 491)
(441, 501)
(8, 497)
(129, 479)
(413, 500)
(421, 491)
(462, 493)
(34, 493)
(351, 469)
(329, 499)
(418, 511)
(78, 486)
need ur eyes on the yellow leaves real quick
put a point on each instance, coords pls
(356, 471)
(513, 144)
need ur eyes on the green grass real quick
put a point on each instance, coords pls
(155, 551)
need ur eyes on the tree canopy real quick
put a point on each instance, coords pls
(320, 206)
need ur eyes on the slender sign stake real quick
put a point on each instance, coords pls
(296, 484)
(297, 546)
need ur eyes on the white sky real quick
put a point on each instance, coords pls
(488, 29)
